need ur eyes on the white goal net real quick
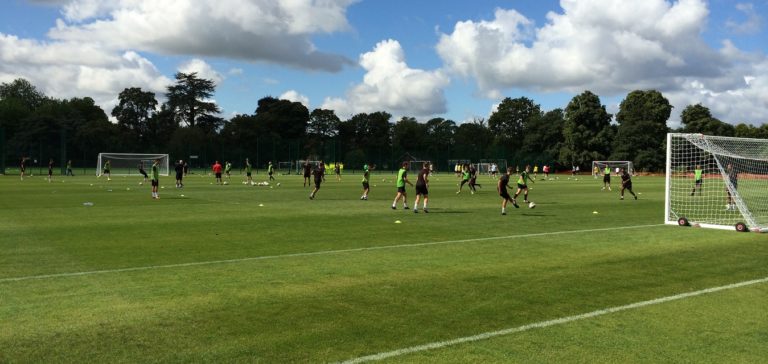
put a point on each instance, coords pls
(128, 164)
(598, 167)
(717, 182)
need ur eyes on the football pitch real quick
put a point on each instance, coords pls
(240, 273)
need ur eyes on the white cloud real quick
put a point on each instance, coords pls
(390, 85)
(751, 25)
(252, 30)
(295, 96)
(203, 70)
(71, 69)
(235, 72)
(610, 47)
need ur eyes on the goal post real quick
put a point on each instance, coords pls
(716, 182)
(300, 165)
(598, 167)
(127, 164)
(284, 167)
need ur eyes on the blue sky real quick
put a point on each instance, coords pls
(451, 59)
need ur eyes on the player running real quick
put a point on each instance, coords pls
(522, 183)
(248, 172)
(107, 170)
(319, 173)
(366, 182)
(606, 178)
(464, 178)
(535, 171)
(217, 171)
(697, 177)
(402, 180)
(501, 187)
(69, 168)
(270, 171)
(494, 170)
(337, 171)
(422, 188)
(307, 172)
(155, 179)
(50, 170)
(142, 171)
(546, 172)
(626, 183)
(473, 179)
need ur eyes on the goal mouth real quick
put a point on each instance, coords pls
(131, 164)
(717, 182)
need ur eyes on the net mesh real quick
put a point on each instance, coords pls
(733, 183)
(598, 167)
(127, 164)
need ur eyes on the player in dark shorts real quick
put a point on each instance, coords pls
(422, 188)
(464, 177)
(501, 187)
(270, 171)
(366, 182)
(217, 171)
(733, 177)
(402, 180)
(319, 173)
(23, 167)
(179, 174)
(107, 170)
(307, 172)
(606, 178)
(50, 170)
(473, 179)
(522, 183)
(186, 169)
(69, 169)
(248, 172)
(142, 171)
(626, 183)
(698, 176)
(155, 179)
(337, 171)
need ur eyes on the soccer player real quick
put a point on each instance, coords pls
(626, 183)
(473, 179)
(422, 188)
(50, 170)
(23, 166)
(606, 178)
(186, 169)
(697, 178)
(179, 173)
(337, 171)
(248, 172)
(142, 171)
(402, 180)
(270, 171)
(155, 179)
(319, 173)
(501, 187)
(69, 168)
(464, 178)
(522, 183)
(217, 172)
(535, 171)
(733, 177)
(494, 168)
(307, 172)
(366, 182)
(546, 172)
(107, 170)
(595, 172)
(228, 170)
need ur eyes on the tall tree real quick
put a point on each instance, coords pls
(187, 98)
(508, 121)
(698, 119)
(23, 91)
(587, 132)
(642, 129)
(133, 111)
(283, 118)
(543, 137)
(409, 136)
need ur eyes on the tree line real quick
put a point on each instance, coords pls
(188, 125)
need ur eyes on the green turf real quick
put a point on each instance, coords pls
(335, 278)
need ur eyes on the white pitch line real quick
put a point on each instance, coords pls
(309, 254)
(542, 324)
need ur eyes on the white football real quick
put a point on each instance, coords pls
(531, 205)
(226, 183)
(278, 184)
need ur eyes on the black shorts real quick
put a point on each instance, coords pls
(106, 171)
(23, 169)
(317, 183)
(422, 190)
(627, 186)
(248, 174)
(270, 173)
(366, 185)
(218, 175)
(607, 178)
(522, 187)
(401, 189)
(50, 172)
(306, 175)
(505, 195)
(179, 175)
(155, 183)
(698, 182)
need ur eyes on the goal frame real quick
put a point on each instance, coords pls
(672, 217)
(165, 167)
(630, 167)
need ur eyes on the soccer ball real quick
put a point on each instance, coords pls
(226, 183)
(531, 205)
(141, 183)
(278, 184)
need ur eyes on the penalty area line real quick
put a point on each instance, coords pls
(310, 254)
(548, 323)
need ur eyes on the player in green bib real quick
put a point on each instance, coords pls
(465, 174)
(155, 179)
(248, 172)
(107, 170)
(698, 175)
(228, 169)
(366, 182)
(522, 185)
(402, 180)
(270, 171)
(606, 178)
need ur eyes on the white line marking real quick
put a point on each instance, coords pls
(542, 324)
(309, 254)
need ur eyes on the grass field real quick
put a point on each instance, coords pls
(256, 274)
